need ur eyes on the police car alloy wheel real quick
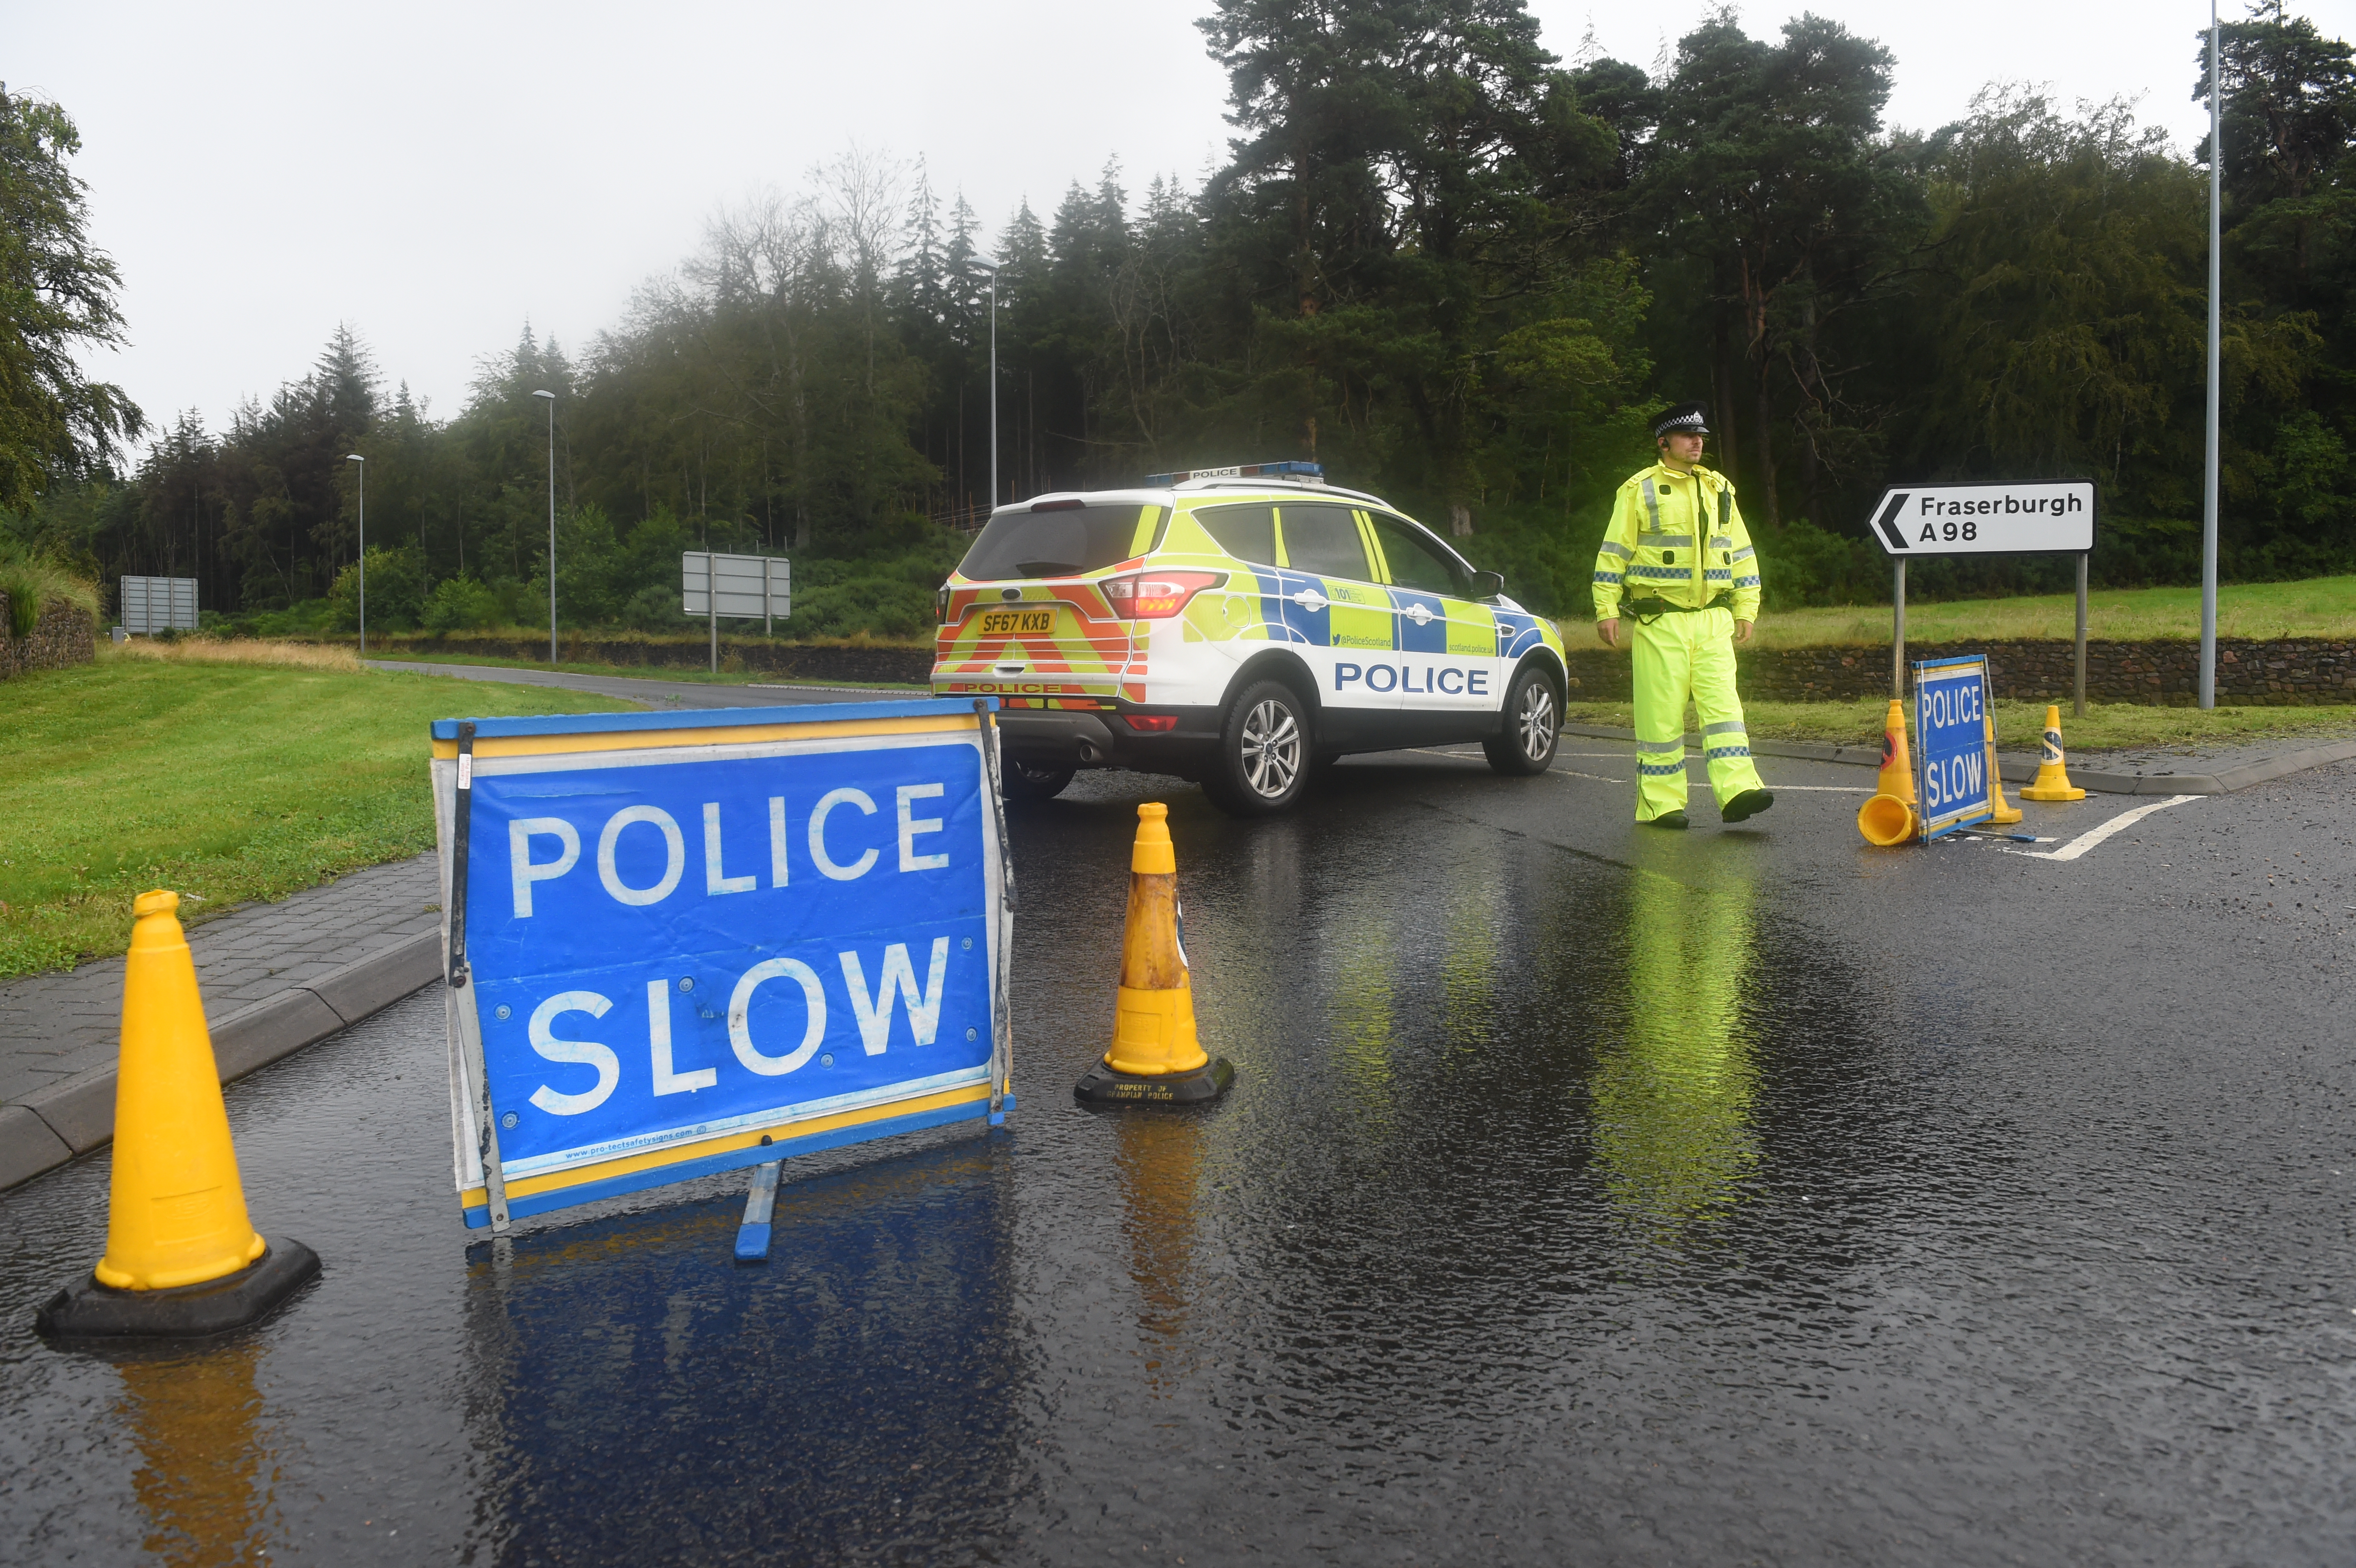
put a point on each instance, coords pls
(1264, 752)
(1533, 717)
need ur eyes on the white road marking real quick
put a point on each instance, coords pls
(2093, 837)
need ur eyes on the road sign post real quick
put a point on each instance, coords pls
(1950, 744)
(712, 584)
(690, 942)
(1898, 629)
(2042, 517)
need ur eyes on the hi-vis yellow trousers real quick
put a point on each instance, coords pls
(1681, 654)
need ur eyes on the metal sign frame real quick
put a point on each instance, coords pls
(1951, 771)
(145, 605)
(707, 572)
(584, 767)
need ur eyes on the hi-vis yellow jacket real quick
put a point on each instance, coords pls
(1677, 536)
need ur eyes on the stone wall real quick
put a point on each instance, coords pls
(2249, 673)
(2287, 673)
(64, 635)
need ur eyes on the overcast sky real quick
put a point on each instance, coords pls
(438, 175)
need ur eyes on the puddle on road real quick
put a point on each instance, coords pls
(1559, 1209)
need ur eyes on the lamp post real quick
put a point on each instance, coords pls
(552, 523)
(356, 457)
(990, 267)
(2208, 476)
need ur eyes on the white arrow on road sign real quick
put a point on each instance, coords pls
(1997, 519)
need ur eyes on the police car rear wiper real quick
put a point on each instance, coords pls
(1046, 568)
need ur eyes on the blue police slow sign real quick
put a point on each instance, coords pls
(685, 943)
(1950, 743)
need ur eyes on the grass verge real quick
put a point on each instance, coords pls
(637, 672)
(238, 650)
(225, 781)
(2107, 726)
(2321, 607)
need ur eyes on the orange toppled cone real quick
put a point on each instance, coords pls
(1889, 819)
(182, 1257)
(2001, 810)
(2053, 773)
(1155, 1057)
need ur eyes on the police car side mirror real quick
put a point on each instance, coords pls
(1488, 584)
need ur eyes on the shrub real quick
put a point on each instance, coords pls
(396, 590)
(461, 604)
(33, 580)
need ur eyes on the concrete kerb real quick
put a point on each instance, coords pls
(44, 1131)
(2019, 771)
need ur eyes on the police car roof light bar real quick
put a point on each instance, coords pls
(1292, 470)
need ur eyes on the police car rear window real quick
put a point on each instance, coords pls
(1064, 543)
(1247, 533)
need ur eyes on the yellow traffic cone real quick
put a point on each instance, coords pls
(2004, 810)
(1889, 818)
(1897, 775)
(182, 1258)
(2053, 773)
(1154, 1057)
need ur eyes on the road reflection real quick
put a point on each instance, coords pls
(639, 1397)
(194, 1422)
(1158, 1163)
(1672, 1089)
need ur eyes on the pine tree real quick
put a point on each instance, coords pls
(57, 301)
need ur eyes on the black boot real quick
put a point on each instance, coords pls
(1749, 803)
(1676, 819)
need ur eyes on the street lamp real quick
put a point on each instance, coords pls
(2208, 693)
(552, 523)
(985, 264)
(356, 457)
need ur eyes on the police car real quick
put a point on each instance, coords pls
(1240, 628)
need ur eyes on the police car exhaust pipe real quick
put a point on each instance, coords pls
(1155, 1059)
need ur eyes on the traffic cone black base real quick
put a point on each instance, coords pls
(90, 1310)
(1100, 1085)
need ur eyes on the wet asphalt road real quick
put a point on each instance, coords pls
(1585, 1195)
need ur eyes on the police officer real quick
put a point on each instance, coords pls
(1677, 561)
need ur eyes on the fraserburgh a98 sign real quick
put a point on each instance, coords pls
(2053, 515)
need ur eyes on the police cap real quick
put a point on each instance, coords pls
(1685, 419)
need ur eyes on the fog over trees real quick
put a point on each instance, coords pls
(1444, 262)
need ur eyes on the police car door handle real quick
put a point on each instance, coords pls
(1419, 613)
(1310, 599)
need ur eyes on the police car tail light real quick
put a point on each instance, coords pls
(1152, 721)
(1157, 595)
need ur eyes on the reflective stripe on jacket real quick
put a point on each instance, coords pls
(1678, 537)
